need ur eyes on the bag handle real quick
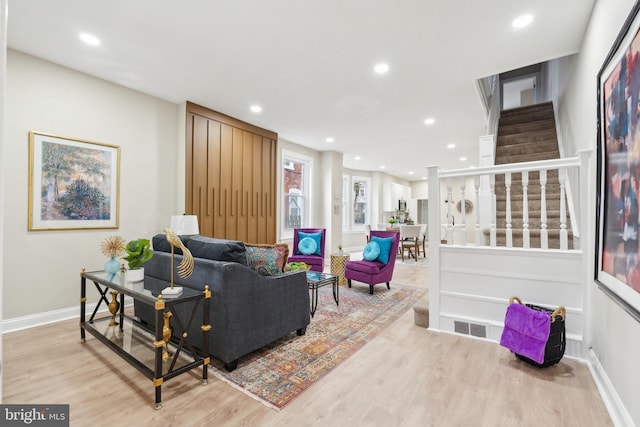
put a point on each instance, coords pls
(514, 298)
(558, 311)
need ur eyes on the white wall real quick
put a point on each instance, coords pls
(3, 159)
(614, 338)
(41, 268)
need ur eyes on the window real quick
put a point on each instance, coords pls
(345, 201)
(355, 201)
(296, 171)
(360, 201)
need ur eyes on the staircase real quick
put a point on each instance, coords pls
(528, 134)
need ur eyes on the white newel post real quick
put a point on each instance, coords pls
(449, 215)
(486, 152)
(509, 233)
(476, 184)
(434, 247)
(526, 242)
(463, 212)
(492, 232)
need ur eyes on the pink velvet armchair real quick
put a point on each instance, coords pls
(374, 272)
(316, 261)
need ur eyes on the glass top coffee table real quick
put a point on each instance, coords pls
(151, 350)
(316, 280)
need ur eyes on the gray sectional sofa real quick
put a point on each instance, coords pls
(247, 310)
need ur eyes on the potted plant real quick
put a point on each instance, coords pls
(138, 252)
(340, 249)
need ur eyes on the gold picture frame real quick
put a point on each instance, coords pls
(74, 184)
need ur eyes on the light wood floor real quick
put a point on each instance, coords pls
(407, 376)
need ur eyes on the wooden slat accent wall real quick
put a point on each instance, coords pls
(230, 176)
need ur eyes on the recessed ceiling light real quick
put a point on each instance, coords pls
(329, 140)
(450, 146)
(522, 21)
(381, 68)
(89, 39)
(256, 108)
(357, 157)
(381, 167)
(424, 177)
(429, 121)
(463, 159)
(410, 172)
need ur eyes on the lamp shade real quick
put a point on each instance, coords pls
(184, 225)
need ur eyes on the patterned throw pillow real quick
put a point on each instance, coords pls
(267, 259)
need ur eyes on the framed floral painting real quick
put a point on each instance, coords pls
(73, 183)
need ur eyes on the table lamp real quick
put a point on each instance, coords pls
(184, 225)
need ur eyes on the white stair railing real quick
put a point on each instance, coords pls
(458, 235)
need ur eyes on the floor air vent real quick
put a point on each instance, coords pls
(461, 327)
(479, 331)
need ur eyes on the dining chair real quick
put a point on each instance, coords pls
(423, 235)
(409, 235)
(367, 232)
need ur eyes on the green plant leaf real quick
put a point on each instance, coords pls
(138, 252)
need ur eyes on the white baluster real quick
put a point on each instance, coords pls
(476, 184)
(562, 176)
(463, 212)
(449, 216)
(526, 242)
(544, 233)
(492, 231)
(509, 233)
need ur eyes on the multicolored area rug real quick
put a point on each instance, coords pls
(281, 371)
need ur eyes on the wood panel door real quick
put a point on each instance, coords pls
(230, 176)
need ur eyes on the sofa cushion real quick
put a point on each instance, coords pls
(307, 246)
(160, 244)
(385, 247)
(217, 249)
(267, 259)
(315, 236)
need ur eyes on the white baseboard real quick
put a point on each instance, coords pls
(617, 411)
(31, 321)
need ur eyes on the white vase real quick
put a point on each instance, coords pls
(136, 275)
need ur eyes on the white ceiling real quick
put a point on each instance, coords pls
(309, 64)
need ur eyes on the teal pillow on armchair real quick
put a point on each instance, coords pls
(307, 246)
(317, 237)
(385, 248)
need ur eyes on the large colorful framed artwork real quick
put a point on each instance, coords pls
(73, 184)
(618, 198)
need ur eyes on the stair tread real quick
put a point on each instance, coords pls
(527, 108)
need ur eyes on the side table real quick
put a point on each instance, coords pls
(129, 339)
(338, 262)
